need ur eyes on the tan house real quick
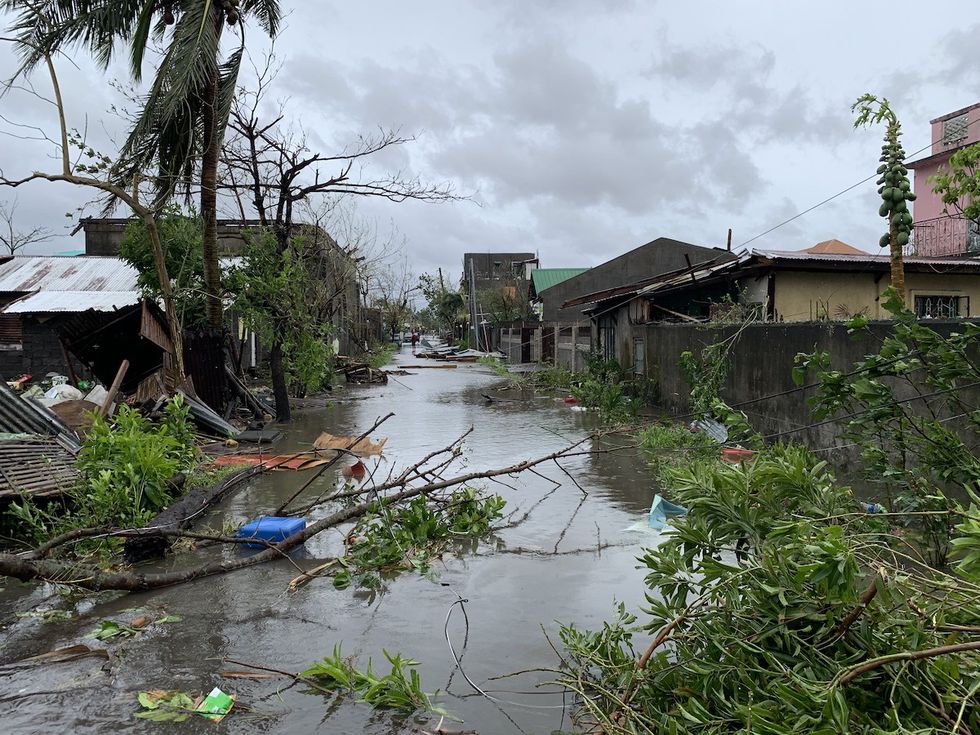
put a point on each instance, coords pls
(833, 280)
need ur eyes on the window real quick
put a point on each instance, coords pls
(517, 269)
(639, 357)
(607, 337)
(954, 130)
(939, 306)
(11, 331)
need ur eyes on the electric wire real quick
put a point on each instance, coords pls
(834, 196)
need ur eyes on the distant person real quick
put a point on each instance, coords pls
(415, 339)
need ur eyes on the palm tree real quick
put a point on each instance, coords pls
(185, 110)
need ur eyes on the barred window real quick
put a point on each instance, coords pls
(937, 307)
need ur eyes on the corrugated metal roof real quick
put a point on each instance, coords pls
(20, 415)
(72, 301)
(865, 258)
(547, 277)
(53, 273)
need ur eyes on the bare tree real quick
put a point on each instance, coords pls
(272, 174)
(391, 291)
(14, 239)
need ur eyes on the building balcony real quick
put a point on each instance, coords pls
(944, 236)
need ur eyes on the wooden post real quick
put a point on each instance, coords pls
(117, 381)
(729, 247)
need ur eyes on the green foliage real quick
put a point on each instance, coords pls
(670, 445)
(380, 355)
(705, 375)
(400, 689)
(769, 595)
(276, 294)
(958, 182)
(165, 706)
(606, 388)
(181, 239)
(124, 466)
(894, 186)
(913, 449)
(409, 536)
(446, 306)
(504, 304)
(966, 544)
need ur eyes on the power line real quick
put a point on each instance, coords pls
(840, 193)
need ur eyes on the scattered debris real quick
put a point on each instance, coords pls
(68, 653)
(169, 705)
(272, 529)
(302, 461)
(54, 615)
(362, 448)
(356, 471)
(260, 436)
(662, 511)
(715, 429)
(110, 629)
(39, 467)
(153, 541)
(363, 374)
(736, 455)
(216, 705)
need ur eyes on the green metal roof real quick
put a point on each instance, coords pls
(543, 278)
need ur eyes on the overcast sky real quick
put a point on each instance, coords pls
(583, 128)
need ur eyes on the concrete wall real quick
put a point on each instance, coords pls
(761, 363)
(39, 354)
(659, 256)
(104, 236)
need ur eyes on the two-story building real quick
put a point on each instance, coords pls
(940, 231)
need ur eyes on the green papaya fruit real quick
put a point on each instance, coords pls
(884, 209)
(910, 197)
(884, 241)
(903, 239)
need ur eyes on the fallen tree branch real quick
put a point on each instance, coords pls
(854, 672)
(26, 568)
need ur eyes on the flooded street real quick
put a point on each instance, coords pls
(571, 560)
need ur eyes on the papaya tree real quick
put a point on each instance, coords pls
(893, 183)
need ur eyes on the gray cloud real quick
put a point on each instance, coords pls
(587, 127)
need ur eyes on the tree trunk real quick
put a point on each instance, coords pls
(280, 390)
(209, 177)
(174, 326)
(897, 262)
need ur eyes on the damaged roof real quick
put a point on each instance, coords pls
(51, 283)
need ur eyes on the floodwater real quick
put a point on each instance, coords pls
(571, 560)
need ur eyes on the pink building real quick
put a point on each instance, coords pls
(938, 233)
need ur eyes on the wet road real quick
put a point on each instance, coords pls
(546, 569)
